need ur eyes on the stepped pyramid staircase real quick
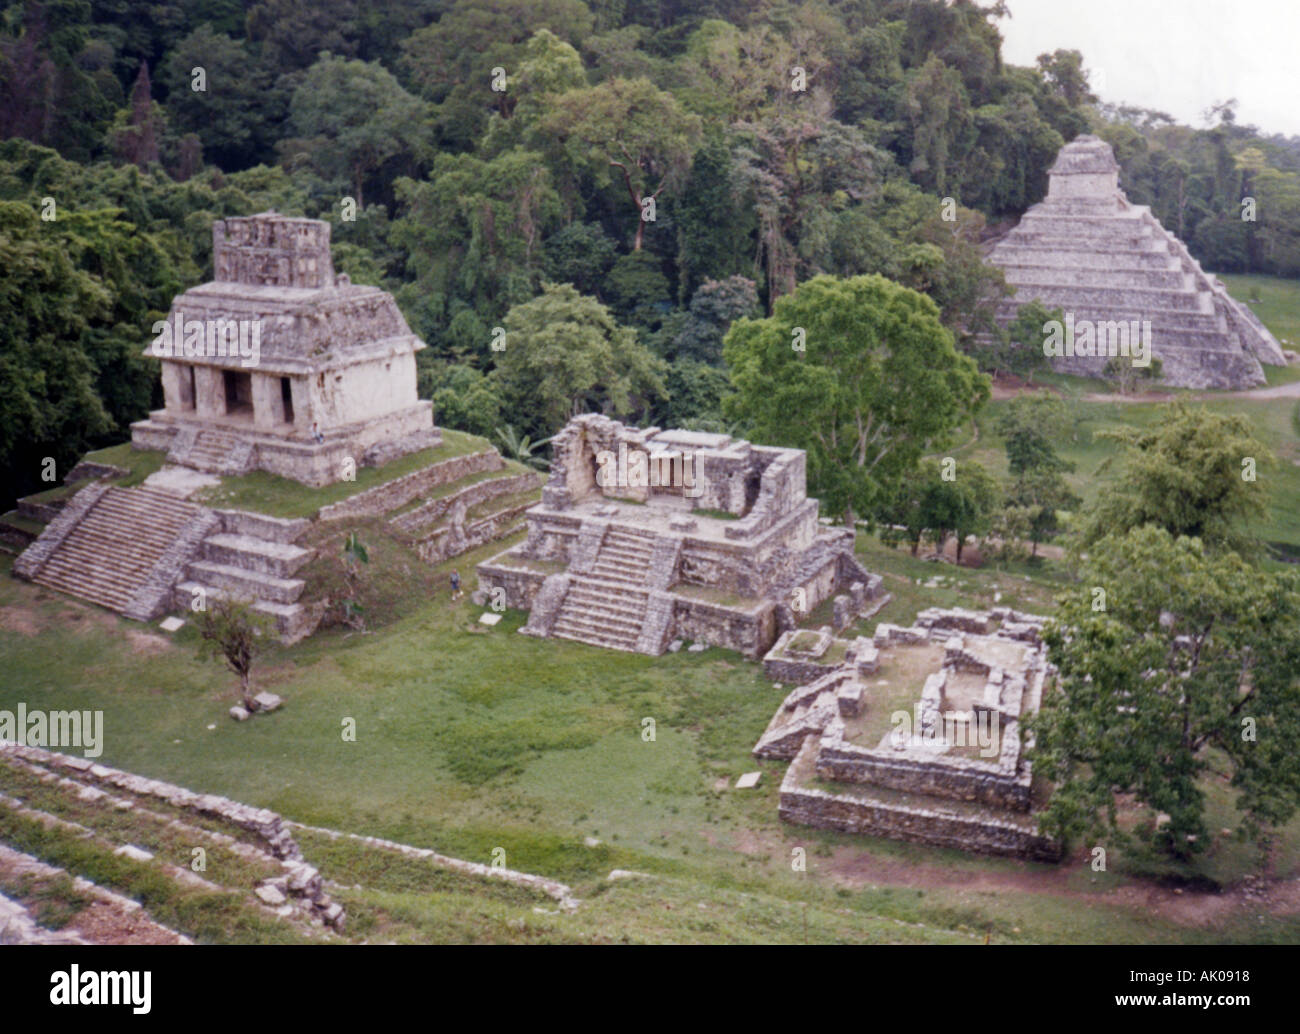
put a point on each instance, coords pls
(212, 451)
(1086, 250)
(116, 547)
(607, 605)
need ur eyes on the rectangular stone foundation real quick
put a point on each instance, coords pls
(859, 812)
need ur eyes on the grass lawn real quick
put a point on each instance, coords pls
(471, 739)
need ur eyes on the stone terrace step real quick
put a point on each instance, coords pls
(245, 582)
(602, 613)
(610, 642)
(1021, 254)
(279, 559)
(1161, 319)
(289, 618)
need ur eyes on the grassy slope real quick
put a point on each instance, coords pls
(470, 740)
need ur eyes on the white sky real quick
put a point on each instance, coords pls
(1176, 56)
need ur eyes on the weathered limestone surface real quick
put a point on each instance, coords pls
(1087, 250)
(921, 781)
(278, 364)
(724, 528)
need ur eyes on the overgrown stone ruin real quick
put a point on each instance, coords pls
(329, 387)
(645, 538)
(279, 364)
(1088, 251)
(916, 732)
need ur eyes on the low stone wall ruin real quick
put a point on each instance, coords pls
(400, 491)
(851, 814)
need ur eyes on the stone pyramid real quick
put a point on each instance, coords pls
(1086, 250)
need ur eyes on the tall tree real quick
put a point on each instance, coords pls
(629, 132)
(860, 373)
(1177, 666)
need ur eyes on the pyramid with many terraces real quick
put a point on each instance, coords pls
(1085, 249)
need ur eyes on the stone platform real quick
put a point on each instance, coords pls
(916, 734)
(646, 536)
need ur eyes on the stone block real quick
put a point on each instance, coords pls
(270, 894)
(136, 854)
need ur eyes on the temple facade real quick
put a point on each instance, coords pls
(279, 364)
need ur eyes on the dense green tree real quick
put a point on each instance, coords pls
(465, 400)
(350, 118)
(1194, 473)
(860, 373)
(1176, 665)
(1029, 426)
(579, 254)
(716, 305)
(565, 354)
(237, 112)
(630, 135)
(716, 222)
(1037, 496)
(451, 62)
(48, 404)
(472, 238)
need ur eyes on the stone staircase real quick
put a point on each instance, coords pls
(624, 558)
(109, 549)
(212, 451)
(253, 557)
(602, 613)
(606, 604)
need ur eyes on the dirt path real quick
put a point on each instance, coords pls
(857, 867)
(1009, 389)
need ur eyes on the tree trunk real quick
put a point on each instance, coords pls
(244, 692)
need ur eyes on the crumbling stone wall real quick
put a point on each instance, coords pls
(400, 491)
(848, 814)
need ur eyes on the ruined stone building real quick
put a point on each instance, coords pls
(279, 364)
(915, 733)
(646, 536)
(1087, 250)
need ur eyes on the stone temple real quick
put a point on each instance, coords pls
(1087, 250)
(279, 364)
(646, 537)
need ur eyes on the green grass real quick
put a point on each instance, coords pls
(472, 739)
